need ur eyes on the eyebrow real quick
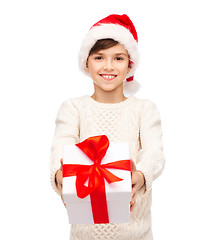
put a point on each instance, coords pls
(116, 54)
(122, 54)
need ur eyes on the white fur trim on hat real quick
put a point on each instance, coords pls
(116, 32)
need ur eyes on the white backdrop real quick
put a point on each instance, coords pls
(39, 70)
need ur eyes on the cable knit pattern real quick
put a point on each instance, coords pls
(134, 121)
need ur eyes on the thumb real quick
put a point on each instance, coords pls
(61, 161)
(133, 166)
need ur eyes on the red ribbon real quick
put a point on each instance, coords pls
(95, 148)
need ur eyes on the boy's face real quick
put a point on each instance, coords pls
(108, 68)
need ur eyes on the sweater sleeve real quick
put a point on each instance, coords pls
(66, 133)
(150, 158)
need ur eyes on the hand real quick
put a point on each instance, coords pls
(59, 178)
(138, 181)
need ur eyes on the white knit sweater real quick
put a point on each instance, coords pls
(134, 121)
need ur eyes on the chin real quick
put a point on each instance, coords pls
(108, 89)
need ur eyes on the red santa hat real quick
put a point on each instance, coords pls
(120, 28)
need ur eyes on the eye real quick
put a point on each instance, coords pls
(119, 58)
(98, 58)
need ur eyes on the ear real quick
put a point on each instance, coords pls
(128, 69)
(130, 65)
(87, 67)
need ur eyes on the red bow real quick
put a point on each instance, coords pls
(95, 148)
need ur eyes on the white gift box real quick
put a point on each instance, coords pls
(118, 194)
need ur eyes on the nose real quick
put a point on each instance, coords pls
(109, 65)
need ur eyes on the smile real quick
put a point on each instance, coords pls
(108, 76)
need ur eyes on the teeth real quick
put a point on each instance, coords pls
(108, 76)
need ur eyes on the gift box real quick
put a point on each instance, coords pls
(97, 181)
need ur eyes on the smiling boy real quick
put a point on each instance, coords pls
(109, 56)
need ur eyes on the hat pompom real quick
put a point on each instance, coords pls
(131, 87)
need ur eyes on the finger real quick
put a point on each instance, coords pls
(59, 176)
(59, 185)
(132, 203)
(133, 166)
(61, 179)
(133, 196)
(134, 189)
(61, 161)
(134, 178)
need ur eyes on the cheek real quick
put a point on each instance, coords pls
(125, 69)
(93, 68)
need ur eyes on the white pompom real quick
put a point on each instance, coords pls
(130, 88)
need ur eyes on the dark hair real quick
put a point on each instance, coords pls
(102, 44)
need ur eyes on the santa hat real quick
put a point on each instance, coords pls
(119, 28)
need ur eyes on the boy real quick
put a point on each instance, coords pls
(109, 55)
